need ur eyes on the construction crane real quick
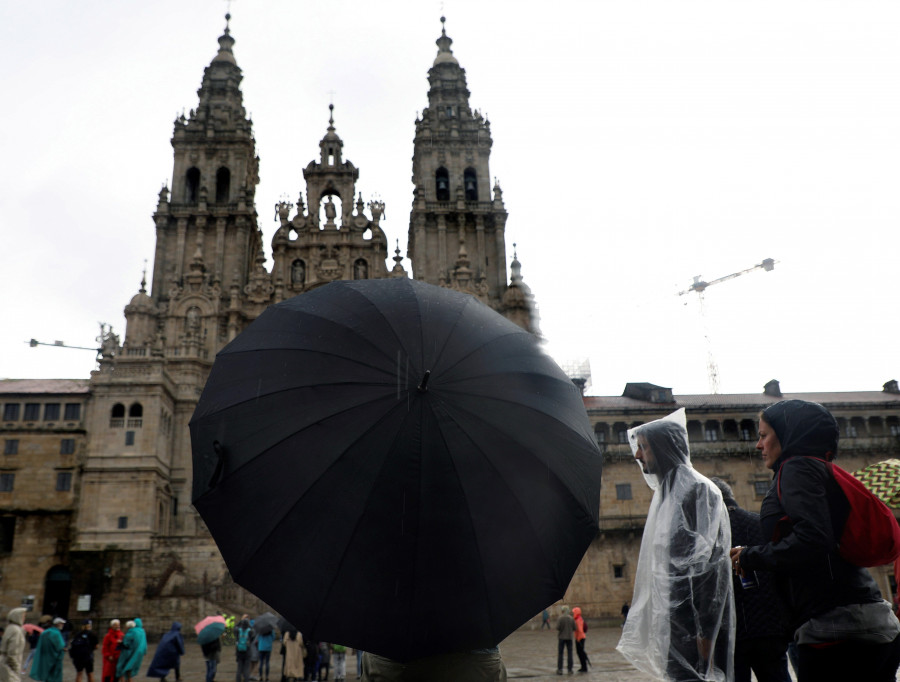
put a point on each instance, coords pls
(699, 286)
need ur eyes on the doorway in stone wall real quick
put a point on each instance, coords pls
(57, 592)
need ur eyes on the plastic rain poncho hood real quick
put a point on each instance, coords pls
(681, 622)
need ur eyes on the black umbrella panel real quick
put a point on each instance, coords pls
(395, 467)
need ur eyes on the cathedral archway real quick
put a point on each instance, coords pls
(223, 185)
(57, 591)
(191, 185)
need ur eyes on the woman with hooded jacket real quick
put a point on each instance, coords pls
(12, 646)
(134, 647)
(842, 626)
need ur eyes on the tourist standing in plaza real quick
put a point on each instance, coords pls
(81, 651)
(168, 654)
(843, 628)
(681, 622)
(49, 654)
(134, 647)
(110, 650)
(264, 645)
(761, 637)
(580, 639)
(12, 646)
(565, 630)
(293, 651)
(211, 651)
(243, 636)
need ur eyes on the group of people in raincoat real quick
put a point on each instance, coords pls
(681, 624)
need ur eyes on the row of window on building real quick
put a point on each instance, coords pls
(66, 446)
(623, 490)
(745, 430)
(63, 481)
(32, 412)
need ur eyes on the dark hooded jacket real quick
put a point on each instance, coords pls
(168, 652)
(810, 574)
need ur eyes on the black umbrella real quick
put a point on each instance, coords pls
(395, 467)
(265, 623)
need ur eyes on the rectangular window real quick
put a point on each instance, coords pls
(73, 411)
(761, 487)
(123, 522)
(129, 438)
(711, 434)
(64, 480)
(11, 446)
(623, 491)
(51, 412)
(618, 571)
(623, 436)
(11, 412)
(32, 412)
(6, 482)
(67, 446)
(601, 437)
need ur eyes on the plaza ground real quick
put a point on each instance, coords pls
(528, 654)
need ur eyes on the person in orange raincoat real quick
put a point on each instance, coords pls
(580, 636)
(111, 649)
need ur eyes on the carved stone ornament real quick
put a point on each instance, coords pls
(260, 288)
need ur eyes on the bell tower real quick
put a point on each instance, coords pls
(458, 220)
(208, 282)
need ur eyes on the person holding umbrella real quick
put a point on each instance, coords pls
(212, 650)
(398, 430)
(111, 649)
(12, 646)
(50, 653)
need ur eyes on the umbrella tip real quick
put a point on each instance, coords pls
(422, 387)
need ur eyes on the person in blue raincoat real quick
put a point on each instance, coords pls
(49, 654)
(134, 647)
(168, 654)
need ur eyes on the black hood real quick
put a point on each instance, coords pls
(804, 429)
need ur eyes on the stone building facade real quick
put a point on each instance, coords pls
(722, 430)
(95, 480)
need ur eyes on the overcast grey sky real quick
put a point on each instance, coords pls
(638, 144)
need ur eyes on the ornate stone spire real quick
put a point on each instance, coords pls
(445, 54)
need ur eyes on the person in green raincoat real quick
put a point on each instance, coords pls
(49, 654)
(134, 646)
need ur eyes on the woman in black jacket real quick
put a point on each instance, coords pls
(842, 626)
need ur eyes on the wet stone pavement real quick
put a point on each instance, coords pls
(528, 654)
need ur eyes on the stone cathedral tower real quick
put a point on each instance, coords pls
(208, 283)
(458, 220)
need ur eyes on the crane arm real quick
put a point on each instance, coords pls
(700, 286)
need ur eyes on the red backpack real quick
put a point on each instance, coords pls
(871, 536)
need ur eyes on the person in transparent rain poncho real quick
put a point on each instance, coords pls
(681, 622)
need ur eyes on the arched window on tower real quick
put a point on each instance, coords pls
(442, 184)
(331, 156)
(298, 273)
(135, 416)
(117, 416)
(470, 183)
(192, 185)
(223, 185)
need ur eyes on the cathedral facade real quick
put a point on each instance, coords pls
(95, 481)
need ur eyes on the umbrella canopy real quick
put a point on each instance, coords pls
(265, 623)
(883, 479)
(396, 467)
(210, 632)
(31, 627)
(198, 627)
